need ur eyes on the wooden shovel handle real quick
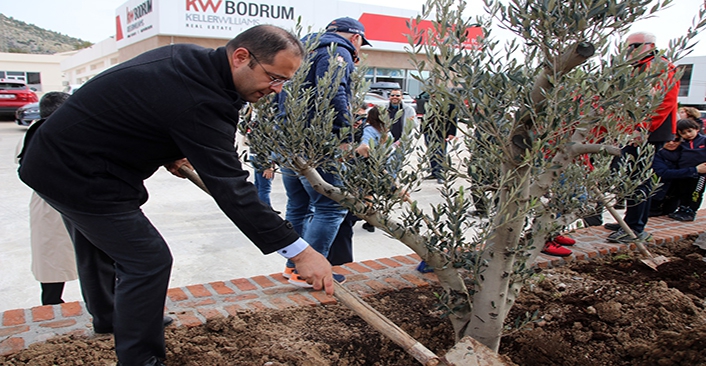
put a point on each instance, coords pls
(366, 312)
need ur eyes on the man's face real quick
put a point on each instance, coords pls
(254, 79)
(395, 97)
(637, 46)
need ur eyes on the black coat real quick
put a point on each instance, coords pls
(94, 152)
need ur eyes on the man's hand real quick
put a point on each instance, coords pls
(174, 166)
(315, 269)
(268, 173)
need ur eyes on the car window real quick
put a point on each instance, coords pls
(12, 86)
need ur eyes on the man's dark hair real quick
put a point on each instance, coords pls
(685, 124)
(265, 41)
(50, 102)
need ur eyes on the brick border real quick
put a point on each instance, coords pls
(193, 305)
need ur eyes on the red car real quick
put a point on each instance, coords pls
(14, 94)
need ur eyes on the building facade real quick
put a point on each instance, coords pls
(692, 91)
(142, 25)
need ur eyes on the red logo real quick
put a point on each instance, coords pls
(202, 6)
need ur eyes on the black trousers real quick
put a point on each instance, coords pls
(341, 251)
(51, 293)
(124, 266)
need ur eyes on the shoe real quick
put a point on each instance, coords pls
(430, 177)
(167, 320)
(151, 362)
(683, 214)
(621, 236)
(288, 271)
(423, 268)
(553, 248)
(612, 226)
(298, 281)
(564, 240)
(369, 227)
(439, 181)
(339, 278)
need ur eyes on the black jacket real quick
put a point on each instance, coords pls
(94, 152)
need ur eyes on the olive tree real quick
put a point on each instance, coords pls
(540, 118)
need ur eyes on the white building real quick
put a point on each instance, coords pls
(692, 91)
(41, 72)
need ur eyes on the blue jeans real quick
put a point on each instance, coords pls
(314, 216)
(263, 185)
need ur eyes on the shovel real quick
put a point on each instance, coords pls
(650, 260)
(360, 307)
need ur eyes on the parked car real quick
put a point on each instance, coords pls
(71, 88)
(28, 113)
(373, 99)
(13, 95)
(383, 88)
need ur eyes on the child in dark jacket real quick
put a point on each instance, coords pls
(693, 153)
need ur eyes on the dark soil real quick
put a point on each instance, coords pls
(612, 312)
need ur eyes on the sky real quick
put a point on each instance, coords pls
(94, 20)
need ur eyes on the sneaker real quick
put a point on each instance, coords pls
(683, 214)
(339, 278)
(423, 268)
(288, 272)
(564, 240)
(612, 226)
(621, 236)
(439, 181)
(368, 227)
(430, 177)
(553, 248)
(299, 282)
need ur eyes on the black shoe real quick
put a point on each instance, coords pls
(368, 227)
(683, 214)
(430, 177)
(612, 226)
(167, 320)
(439, 181)
(153, 361)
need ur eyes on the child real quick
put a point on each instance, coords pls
(693, 153)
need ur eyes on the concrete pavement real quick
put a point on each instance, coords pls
(206, 246)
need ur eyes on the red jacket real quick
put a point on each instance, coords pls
(667, 111)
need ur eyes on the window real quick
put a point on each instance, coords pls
(685, 80)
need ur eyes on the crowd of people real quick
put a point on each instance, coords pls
(88, 160)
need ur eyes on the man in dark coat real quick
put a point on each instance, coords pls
(90, 158)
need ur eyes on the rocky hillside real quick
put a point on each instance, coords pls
(19, 37)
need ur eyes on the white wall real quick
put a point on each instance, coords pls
(697, 83)
(90, 61)
(48, 66)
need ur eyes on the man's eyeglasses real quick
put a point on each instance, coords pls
(275, 80)
(396, 95)
(633, 46)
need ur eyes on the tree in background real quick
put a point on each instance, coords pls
(531, 114)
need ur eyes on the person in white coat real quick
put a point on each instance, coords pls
(53, 258)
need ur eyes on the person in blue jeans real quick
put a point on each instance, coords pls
(312, 214)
